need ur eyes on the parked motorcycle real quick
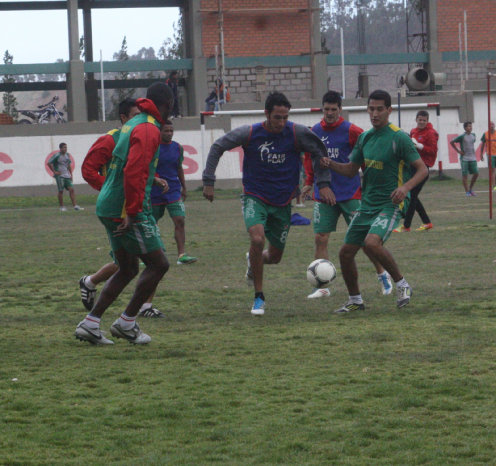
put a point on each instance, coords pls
(44, 114)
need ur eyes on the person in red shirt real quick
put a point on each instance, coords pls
(94, 169)
(425, 138)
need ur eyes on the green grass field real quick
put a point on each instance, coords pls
(300, 385)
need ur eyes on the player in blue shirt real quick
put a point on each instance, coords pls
(271, 172)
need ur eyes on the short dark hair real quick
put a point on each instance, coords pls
(172, 73)
(126, 105)
(160, 93)
(168, 122)
(466, 124)
(62, 144)
(379, 94)
(332, 97)
(276, 99)
(423, 113)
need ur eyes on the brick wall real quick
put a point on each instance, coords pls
(265, 27)
(481, 20)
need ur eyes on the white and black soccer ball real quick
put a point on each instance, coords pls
(320, 273)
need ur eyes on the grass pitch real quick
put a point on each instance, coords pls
(300, 385)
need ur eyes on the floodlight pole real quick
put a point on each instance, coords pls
(489, 151)
(102, 85)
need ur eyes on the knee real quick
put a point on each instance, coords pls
(179, 222)
(321, 239)
(371, 244)
(346, 253)
(257, 240)
(129, 271)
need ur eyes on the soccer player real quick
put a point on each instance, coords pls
(94, 170)
(340, 137)
(123, 206)
(170, 168)
(60, 164)
(386, 153)
(271, 173)
(491, 151)
(425, 138)
(468, 161)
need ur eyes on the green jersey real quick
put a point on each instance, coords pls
(111, 201)
(385, 155)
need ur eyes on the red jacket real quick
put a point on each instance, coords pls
(143, 143)
(428, 137)
(96, 159)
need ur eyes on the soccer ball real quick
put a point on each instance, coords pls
(320, 273)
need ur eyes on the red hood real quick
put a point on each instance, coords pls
(330, 127)
(147, 106)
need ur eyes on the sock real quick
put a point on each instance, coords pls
(383, 274)
(357, 299)
(89, 283)
(146, 306)
(259, 294)
(92, 321)
(402, 283)
(126, 322)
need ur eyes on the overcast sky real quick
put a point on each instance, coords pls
(42, 36)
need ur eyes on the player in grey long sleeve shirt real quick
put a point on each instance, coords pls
(271, 168)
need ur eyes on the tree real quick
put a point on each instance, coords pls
(173, 47)
(384, 25)
(122, 93)
(9, 99)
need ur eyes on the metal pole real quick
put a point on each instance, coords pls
(460, 54)
(489, 151)
(343, 85)
(222, 76)
(399, 109)
(102, 86)
(466, 51)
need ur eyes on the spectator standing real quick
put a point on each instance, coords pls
(172, 82)
(60, 164)
(468, 161)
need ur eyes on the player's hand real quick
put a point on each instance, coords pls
(124, 226)
(327, 195)
(399, 195)
(208, 193)
(306, 190)
(162, 183)
(325, 162)
(183, 193)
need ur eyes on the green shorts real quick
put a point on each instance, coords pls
(381, 223)
(275, 220)
(142, 238)
(469, 167)
(493, 161)
(175, 209)
(325, 216)
(63, 183)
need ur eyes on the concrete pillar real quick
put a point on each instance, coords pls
(435, 64)
(196, 82)
(319, 60)
(76, 97)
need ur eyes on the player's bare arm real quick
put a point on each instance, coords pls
(208, 193)
(349, 169)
